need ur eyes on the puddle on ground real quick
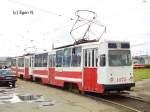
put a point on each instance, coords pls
(9, 98)
(29, 97)
(6, 97)
(47, 103)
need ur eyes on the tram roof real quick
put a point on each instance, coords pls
(81, 42)
(77, 43)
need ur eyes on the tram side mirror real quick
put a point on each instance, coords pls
(102, 60)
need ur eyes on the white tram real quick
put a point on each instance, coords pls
(89, 66)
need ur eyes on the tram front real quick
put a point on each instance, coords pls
(115, 71)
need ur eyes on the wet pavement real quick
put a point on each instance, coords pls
(32, 97)
(9, 96)
(29, 96)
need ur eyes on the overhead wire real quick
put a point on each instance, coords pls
(46, 11)
(61, 15)
(87, 22)
(141, 44)
(43, 10)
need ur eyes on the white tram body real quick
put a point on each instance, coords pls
(91, 66)
(118, 70)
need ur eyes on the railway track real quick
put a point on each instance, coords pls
(134, 104)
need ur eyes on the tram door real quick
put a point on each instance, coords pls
(90, 69)
(31, 65)
(27, 64)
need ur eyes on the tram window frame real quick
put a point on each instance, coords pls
(93, 58)
(89, 58)
(96, 57)
(39, 61)
(33, 61)
(36, 61)
(85, 57)
(76, 57)
(21, 62)
(44, 59)
(103, 60)
(67, 57)
(30, 61)
(59, 58)
(13, 62)
(27, 62)
(52, 61)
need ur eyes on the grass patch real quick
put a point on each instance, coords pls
(140, 74)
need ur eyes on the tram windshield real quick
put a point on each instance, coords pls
(119, 58)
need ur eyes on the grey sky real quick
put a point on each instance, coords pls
(50, 23)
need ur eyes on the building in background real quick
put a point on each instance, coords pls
(5, 61)
(142, 59)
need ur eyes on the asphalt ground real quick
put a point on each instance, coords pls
(32, 97)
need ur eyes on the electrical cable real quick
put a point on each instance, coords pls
(87, 22)
(141, 44)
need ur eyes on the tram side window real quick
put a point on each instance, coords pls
(13, 62)
(33, 61)
(41, 60)
(30, 61)
(26, 62)
(21, 62)
(44, 60)
(36, 61)
(89, 59)
(85, 58)
(39, 64)
(52, 60)
(59, 58)
(67, 57)
(102, 60)
(76, 56)
(94, 57)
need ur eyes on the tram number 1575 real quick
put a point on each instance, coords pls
(121, 79)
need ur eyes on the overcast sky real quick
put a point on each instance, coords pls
(51, 22)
